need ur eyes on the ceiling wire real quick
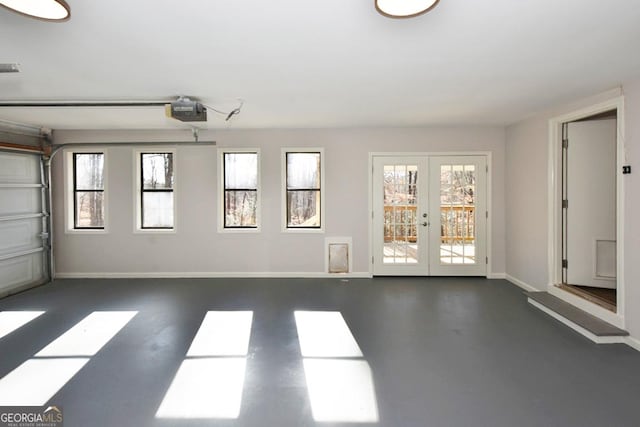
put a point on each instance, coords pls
(229, 114)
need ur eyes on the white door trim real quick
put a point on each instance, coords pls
(555, 220)
(489, 197)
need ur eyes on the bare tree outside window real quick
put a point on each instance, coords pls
(240, 190)
(88, 189)
(303, 190)
(457, 201)
(157, 190)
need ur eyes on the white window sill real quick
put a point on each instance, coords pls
(81, 231)
(154, 231)
(239, 230)
(303, 230)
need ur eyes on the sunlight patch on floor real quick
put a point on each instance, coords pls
(209, 383)
(38, 379)
(325, 334)
(12, 320)
(339, 382)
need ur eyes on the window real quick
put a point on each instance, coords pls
(88, 191)
(156, 191)
(240, 190)
(303, 182)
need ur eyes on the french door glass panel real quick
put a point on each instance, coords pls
(457, 214)
(399, 208)
(429, 215)
(457, 243)
(400, 202)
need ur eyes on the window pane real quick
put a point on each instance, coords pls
(89, 171)
(157, 171)
(240, 208)
(303, 170)
(303, 208)
(157, 209)
(89, 209)
(240, 170)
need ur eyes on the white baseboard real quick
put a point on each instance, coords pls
(521, 284)
(496, 276)
(210, 275)
(633, 343)
(582, 331)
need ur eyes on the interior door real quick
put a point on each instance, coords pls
(458, 216)
(590, 210)
(429, 216)
(400, 216)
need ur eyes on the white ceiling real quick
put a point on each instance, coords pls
(329, 63)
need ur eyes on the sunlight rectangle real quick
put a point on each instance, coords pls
(12, 320)
(223, 333)
(35, 381)
(341, 390)
(205, 388)
(325, 334)
(88, 336)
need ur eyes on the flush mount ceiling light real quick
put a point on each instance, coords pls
(404, 8)
(46, 10)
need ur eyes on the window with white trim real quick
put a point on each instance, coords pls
(156, 190)
(303, 187)
(88, 204)
(240, 190)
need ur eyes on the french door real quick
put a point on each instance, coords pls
(429, 215)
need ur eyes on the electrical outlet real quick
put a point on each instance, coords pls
(626, 170)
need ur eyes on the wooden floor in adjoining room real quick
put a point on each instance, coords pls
(378, 352)
(607, 298)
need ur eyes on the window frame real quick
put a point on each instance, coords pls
(139, 190)
(70, 191)
(285, 196)
(222, 227)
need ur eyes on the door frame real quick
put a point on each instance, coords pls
(555, 211)
(489, 193)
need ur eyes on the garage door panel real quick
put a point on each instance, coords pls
(19, 168)
(19, 271)
(20, 235)
(22, 254)
(20, 201)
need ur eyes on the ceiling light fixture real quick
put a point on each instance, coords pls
(404, 8)
(46, 10)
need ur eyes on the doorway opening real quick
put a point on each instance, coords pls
(589, 208)
(586, 205)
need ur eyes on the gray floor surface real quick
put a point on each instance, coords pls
(443, 352)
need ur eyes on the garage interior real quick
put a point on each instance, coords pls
(331, 214)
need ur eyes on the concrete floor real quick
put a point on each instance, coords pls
(442, 352)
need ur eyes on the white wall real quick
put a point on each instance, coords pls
(198, 249)
(526, 202)
(526, 199)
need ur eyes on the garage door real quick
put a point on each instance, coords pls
(22, 222)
